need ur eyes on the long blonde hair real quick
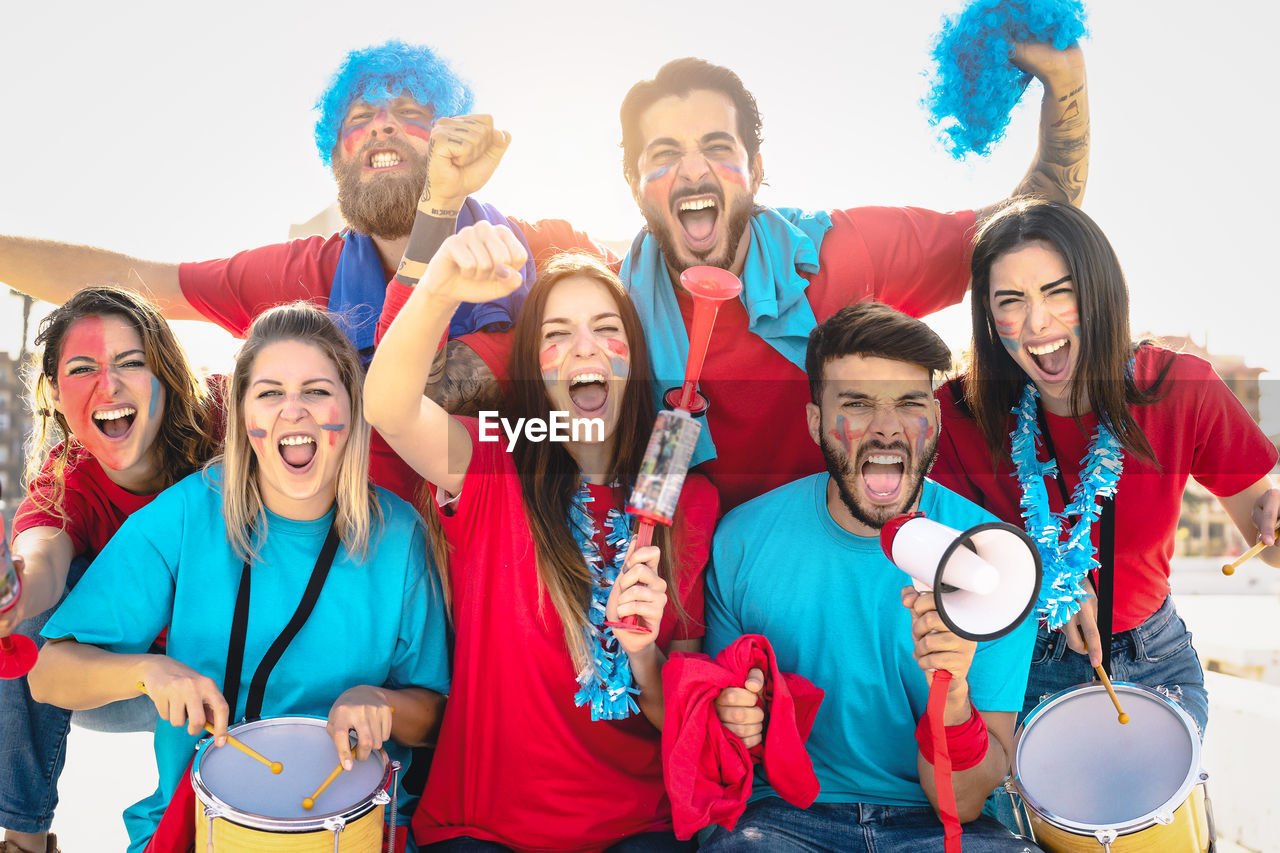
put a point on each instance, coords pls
(242, 506)
(185, 439)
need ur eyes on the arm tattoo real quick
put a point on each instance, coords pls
(461, 383)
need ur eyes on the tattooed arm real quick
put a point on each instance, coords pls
(461, 383)
(1061, 165)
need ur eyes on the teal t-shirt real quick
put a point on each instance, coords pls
(379, 620)
(830, 604)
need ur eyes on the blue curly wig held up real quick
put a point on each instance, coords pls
(974, 86)
(381, 73)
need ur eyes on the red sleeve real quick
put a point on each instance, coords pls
(36, 508)
(695, 523)
(494, 348)
(1231, 452)
(548, 237)
(913, 259)
(232, 291)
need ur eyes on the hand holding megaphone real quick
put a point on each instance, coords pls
(17, 653)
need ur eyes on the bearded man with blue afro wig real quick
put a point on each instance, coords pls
(382, 73)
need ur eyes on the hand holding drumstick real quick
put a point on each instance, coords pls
(275, 766)
(1111, 691)
(1264, 515)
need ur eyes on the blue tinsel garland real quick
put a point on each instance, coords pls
(974, 86)
(1065, 563)
(606, 683)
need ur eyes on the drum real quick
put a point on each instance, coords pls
(1089, 783)
(242, 807)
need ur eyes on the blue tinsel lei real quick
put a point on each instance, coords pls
(605, 683)
(974, 86)
(1065, 563)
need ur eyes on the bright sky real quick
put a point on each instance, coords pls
(175, 134)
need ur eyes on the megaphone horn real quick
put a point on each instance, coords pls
(985, 580)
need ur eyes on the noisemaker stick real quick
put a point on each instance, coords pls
(275, 766)
(1111, 691)
(675, 432)
(17, 652)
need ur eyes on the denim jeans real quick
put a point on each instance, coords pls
(645, 842)
(1157, 654)
(775, 825)
(33, 737)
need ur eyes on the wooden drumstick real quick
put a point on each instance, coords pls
(308, 802)
(1230, 568)
(276, 766)
(1111, 691)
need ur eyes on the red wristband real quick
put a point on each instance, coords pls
(967, 742)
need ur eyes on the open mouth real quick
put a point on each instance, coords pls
(882, 475)
(1052, 359)
(115, 423)
(383, 159)
(698, 216)
(298, 451)
(588, 392)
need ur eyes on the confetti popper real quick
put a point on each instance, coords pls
(675, 432)
(17, 652)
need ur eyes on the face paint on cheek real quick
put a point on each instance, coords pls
(421, 131)
(354, 137)
(620, 361)
(257, 436)
(154, 403)
(1011, 344)
(656, 186)
(549, 359)
(333, 427)
(846, 435)
(732, 174)
(924, 434)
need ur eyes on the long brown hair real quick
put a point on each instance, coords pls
(242, 505)
(185, 439)
(549, 476)
(1102, 379)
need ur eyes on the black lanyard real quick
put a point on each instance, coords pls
(1106, 546)
(240, 628)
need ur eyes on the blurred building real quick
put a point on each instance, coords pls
(15, 423)
(1205, 529)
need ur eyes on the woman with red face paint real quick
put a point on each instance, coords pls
(540, 559)
(1126, 424)
(288, 506)
(126, 417)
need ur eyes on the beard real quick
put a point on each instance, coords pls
(873, 515)
(385, 205)
(680, 257)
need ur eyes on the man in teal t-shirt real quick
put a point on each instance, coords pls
(802, 565)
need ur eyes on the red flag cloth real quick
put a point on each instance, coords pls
(176, 832)
(708, 770)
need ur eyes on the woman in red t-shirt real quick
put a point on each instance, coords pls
(551, 734)
(126, 417)
(1051, 342)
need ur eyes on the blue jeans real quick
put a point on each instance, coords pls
(775, 825)
(1157, 654)
(33, 737)
(645, 842)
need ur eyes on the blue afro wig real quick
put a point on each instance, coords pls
(381, 73)
(975, 86)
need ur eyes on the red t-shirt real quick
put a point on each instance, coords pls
(518, 763)
(1198, 429)
(232, 291)
(94, 506)
(913, 259)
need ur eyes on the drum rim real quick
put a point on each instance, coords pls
(310, 823)
(1148, 820)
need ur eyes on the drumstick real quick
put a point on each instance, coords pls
(1230, 568)
(276, 766)
(308, 802)
(1111, 691)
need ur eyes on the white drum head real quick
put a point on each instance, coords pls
(1077, 766)
(251, 794)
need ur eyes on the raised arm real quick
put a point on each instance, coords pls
(478, 264)
(1061, 165)
(54, 271)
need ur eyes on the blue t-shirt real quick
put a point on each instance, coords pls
(379, 620)
(830, 604)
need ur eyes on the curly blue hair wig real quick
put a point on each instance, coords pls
(381, 73)
(974, 86)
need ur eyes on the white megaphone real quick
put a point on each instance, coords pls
(985, 580)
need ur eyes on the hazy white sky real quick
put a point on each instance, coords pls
(177, 134)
